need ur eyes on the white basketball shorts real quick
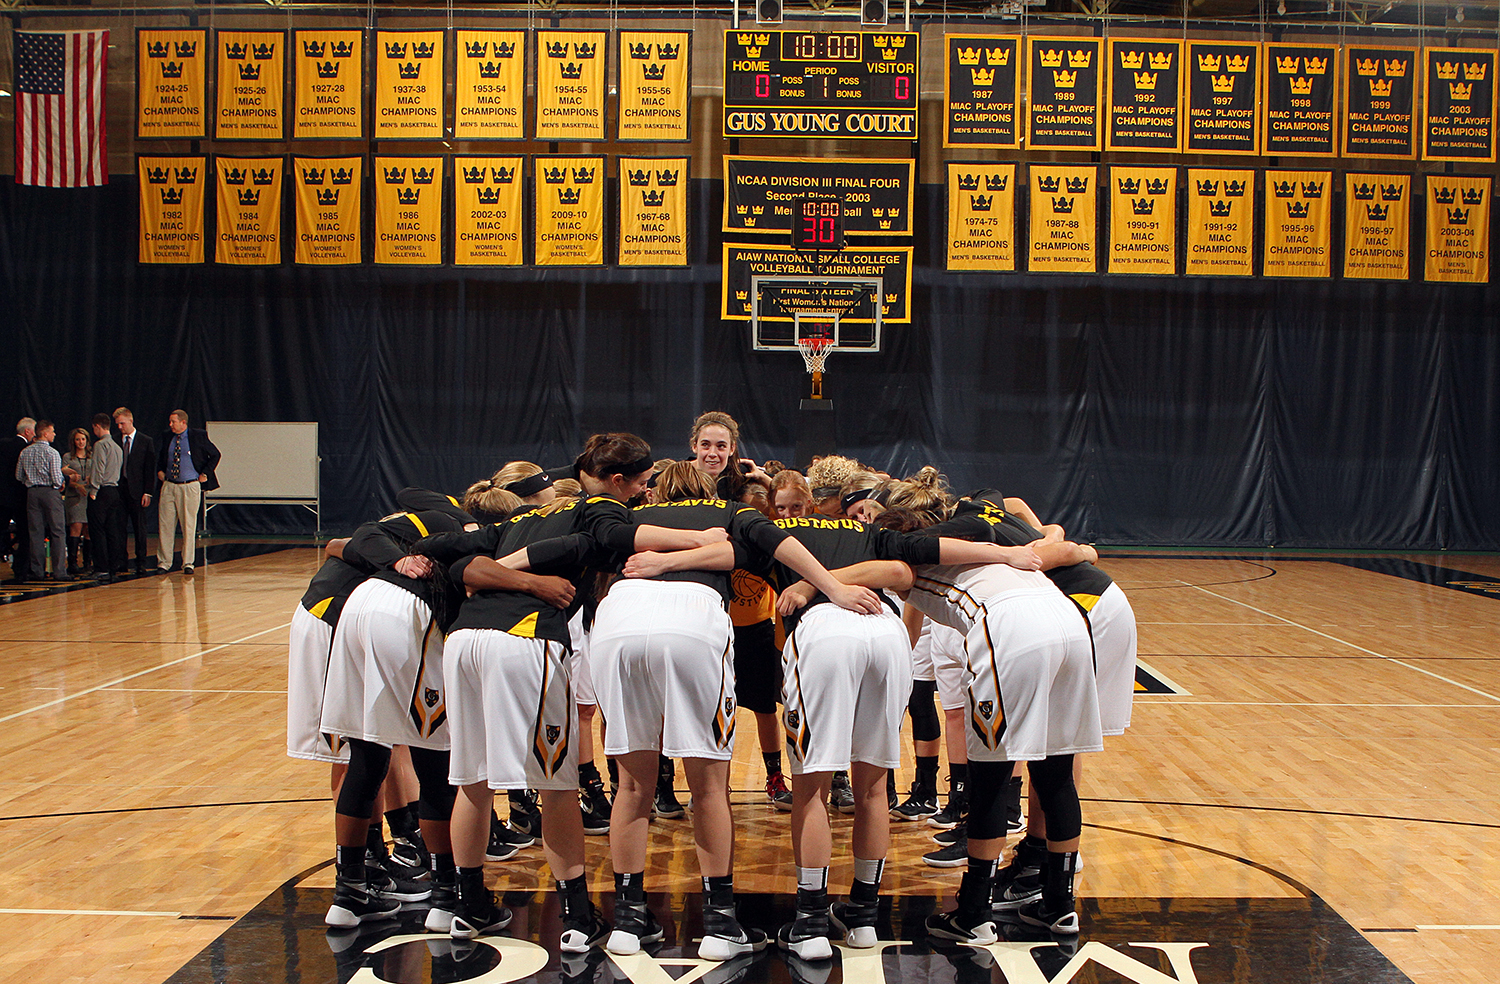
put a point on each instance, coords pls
(308, 653)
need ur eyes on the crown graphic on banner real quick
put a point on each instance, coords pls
(968, 182)
(1302, 85)
(1445, 195)
(476, 49)
(328, 196)
(238, 51)
(1051, 57)
(505, 49)
(1297, 210)
(1078, 186)
(422, 49)
(236, 176)
(1132, 59)
(1447, 70)
(1062, 206)
(1209, 63)
(1381, 88)
(992, 182)
(157, 49)
(395, 49)
(554, 175)
(395, 175)
(668, 52)
(343, 49)
(1460, 91)
(572, 70)
(156, 175)
(1287, 65)
(314, 49)
(341, 176)
(422, 175)
(1220, 207)
(1145, 80)
(666, 179)
(1396, 67)
(557, 49)
(1284, 189)
(503, 175)
(328, 70)
(1063, 79)
(1129, 186)
(408, 196)
(998, 57)
(186, 175)
(489, 70)
(249, 72)
(583, 175)
(171, 196)
(489, 196)
(1392, 193)
(1473, 196)
(749, 222)
(1377, 213)
(1367, 66)
(640, 51)
(885, 223)
(262, 52)
(878, 212)
(1238, 63)
(1316, 66)
(1475, 71)
(313, 176)
(984, 77)
(968, 56)
(1234, 189)
(1222, 83)
(1312, 189)
(1161, 60)
(654, 72)
(653, 199)
(981, 203)
(569, 196)
(249, 196)
(171, 70)
(1458, 216)
(1364, 192)
(409, 70)
(1156, 186)
(1142, 206)
(187, 49)
(583, 49)
(473, 175)
(639, 179)
(1048, 183)
(1207, 189)
(1080, 59)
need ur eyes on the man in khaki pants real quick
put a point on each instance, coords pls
(185, 463)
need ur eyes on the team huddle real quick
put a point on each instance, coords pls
(456, 648)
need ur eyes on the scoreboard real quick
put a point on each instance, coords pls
(853, 85)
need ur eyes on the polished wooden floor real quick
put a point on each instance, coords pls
(1338, 734)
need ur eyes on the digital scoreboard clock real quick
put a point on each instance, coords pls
(819, 86)
(818, 224)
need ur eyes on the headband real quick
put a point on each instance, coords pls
(825, 492)
(530, 485)
(629, 468)
(858, 495)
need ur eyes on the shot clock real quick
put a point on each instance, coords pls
(818, 225)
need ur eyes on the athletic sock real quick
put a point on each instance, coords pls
(1057, 889)
(773, 763)
(400, 821)
(927, 770)
(974, 892)
(375, 841)
(866, 886)
(812, 880)
(631, 886)
(574, 894)
(442, 867)
(471, 885)
(587, 772)
(349, 862)
(958, 774)
(718, 892)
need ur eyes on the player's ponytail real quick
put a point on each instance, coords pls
(684, 480)
(487, 502)
(925, 493)
(614, 454)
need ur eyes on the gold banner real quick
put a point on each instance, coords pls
(249, 211)
(568, 204)
(1299, 224)
(655, 85)
(1220, 223)
(251, 67)
(981, 217)
(1458, 229)
(1143, 220)
(409, 85)
(329, 69)
(570, 85)
(171, 190)
(328, 232)
(1377, 226)
(171, 98)
(409, 210)
(487, 211)
(653, 211)
(489, 101)
(1064, 230)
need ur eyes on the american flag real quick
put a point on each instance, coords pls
(60, 108)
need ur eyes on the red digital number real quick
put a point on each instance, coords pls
(762, 85)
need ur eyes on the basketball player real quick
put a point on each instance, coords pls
(790, 496)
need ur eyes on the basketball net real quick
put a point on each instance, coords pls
(815, 357)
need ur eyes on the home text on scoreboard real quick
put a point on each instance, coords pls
(819, 85)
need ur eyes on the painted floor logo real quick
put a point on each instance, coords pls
(1140, 941)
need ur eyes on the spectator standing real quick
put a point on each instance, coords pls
(76, 499)
(106, 511)
(185, 463)
(39, 468)
(137, 480)
(13, 498)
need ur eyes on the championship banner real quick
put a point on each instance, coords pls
(171, 99)
(656, 81)
(1299, 224)
(329, 88)
(487, 208)
(1458, 229)
(568, 204)
(1460, 120)
(1064, 88)
(892, 264)
(1380, 100)
(1220, 223)
(249, 212)
(1143, 220)
(489, 92)
(327, 192)
(980, 82)
(570, 85)
(409, 85)
(250, 85)
(1301, 82)
(759, 192)
(1064, 227)
(409, 210)
(982, 217)
(1377, 226)
(653, 211)
(172, 196)
(1145, 95)
(1223, 96)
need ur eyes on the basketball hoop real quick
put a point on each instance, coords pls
(815, 357)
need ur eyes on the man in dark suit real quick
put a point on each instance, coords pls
(137, 479)
(13, 498)
(185, 463)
